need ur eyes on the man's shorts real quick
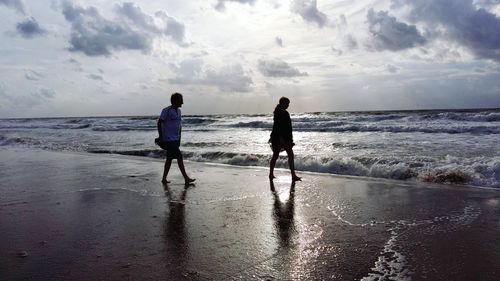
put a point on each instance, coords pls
(173, 151)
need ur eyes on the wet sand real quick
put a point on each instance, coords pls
(66, 216)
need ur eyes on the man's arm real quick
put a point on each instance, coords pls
(158, 126)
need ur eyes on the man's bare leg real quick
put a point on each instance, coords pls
(187, 179)
(168, 163)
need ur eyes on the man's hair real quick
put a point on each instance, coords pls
(174, 97)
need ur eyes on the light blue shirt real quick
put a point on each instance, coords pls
(171, 123)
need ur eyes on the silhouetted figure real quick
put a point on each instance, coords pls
(283, 215)
(281, 137)
(169, 129)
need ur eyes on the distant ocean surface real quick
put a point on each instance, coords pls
(458, 146)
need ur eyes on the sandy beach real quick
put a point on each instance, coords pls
(70, 216)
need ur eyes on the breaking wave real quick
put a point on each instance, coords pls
(483, 173)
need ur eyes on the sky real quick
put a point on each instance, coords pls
(108, 58)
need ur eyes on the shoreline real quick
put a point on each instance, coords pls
(366, 178)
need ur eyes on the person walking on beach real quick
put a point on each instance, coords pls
(281, 137)
(169, 129)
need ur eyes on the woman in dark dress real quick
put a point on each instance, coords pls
(281, 137)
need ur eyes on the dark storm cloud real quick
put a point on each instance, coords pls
(29, 28)
(391, 34)
(230, 78)
(278, 68)
(14, 4)
(462, 21)
(221, 4)
(308, 10)
(132, 29)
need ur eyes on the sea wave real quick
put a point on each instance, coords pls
(198, 120)
(477, 130)
(339, 126)
(485, 172)
(123, 128)
(471, 117)
(19, 141)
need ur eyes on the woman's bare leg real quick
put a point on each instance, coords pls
(272, 164)
(291, 164)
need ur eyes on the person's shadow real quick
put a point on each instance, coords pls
(284, 210)
(175, 231)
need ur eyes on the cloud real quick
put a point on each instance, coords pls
(43, 93)
(279, 41)
(33, 75)
(336, 51)
(76, 65)
(278, 68)
(132, 29)
(174, 29)
(308, 10)
(390, 34)
(351, 42)
(37, 97)
(475, 28)
(221, 4)
(29, 28)
(95, 77)
(391, 68)
(229, 78)
(18, 5)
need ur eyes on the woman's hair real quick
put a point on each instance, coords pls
(281, 105)
(284, 100)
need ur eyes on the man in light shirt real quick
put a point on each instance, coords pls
(169, 129)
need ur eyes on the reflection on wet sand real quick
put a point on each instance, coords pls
(284, 210)
(176, 247)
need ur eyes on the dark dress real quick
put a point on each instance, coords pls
(281, 136)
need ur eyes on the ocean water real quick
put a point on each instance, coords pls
(457, 147)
